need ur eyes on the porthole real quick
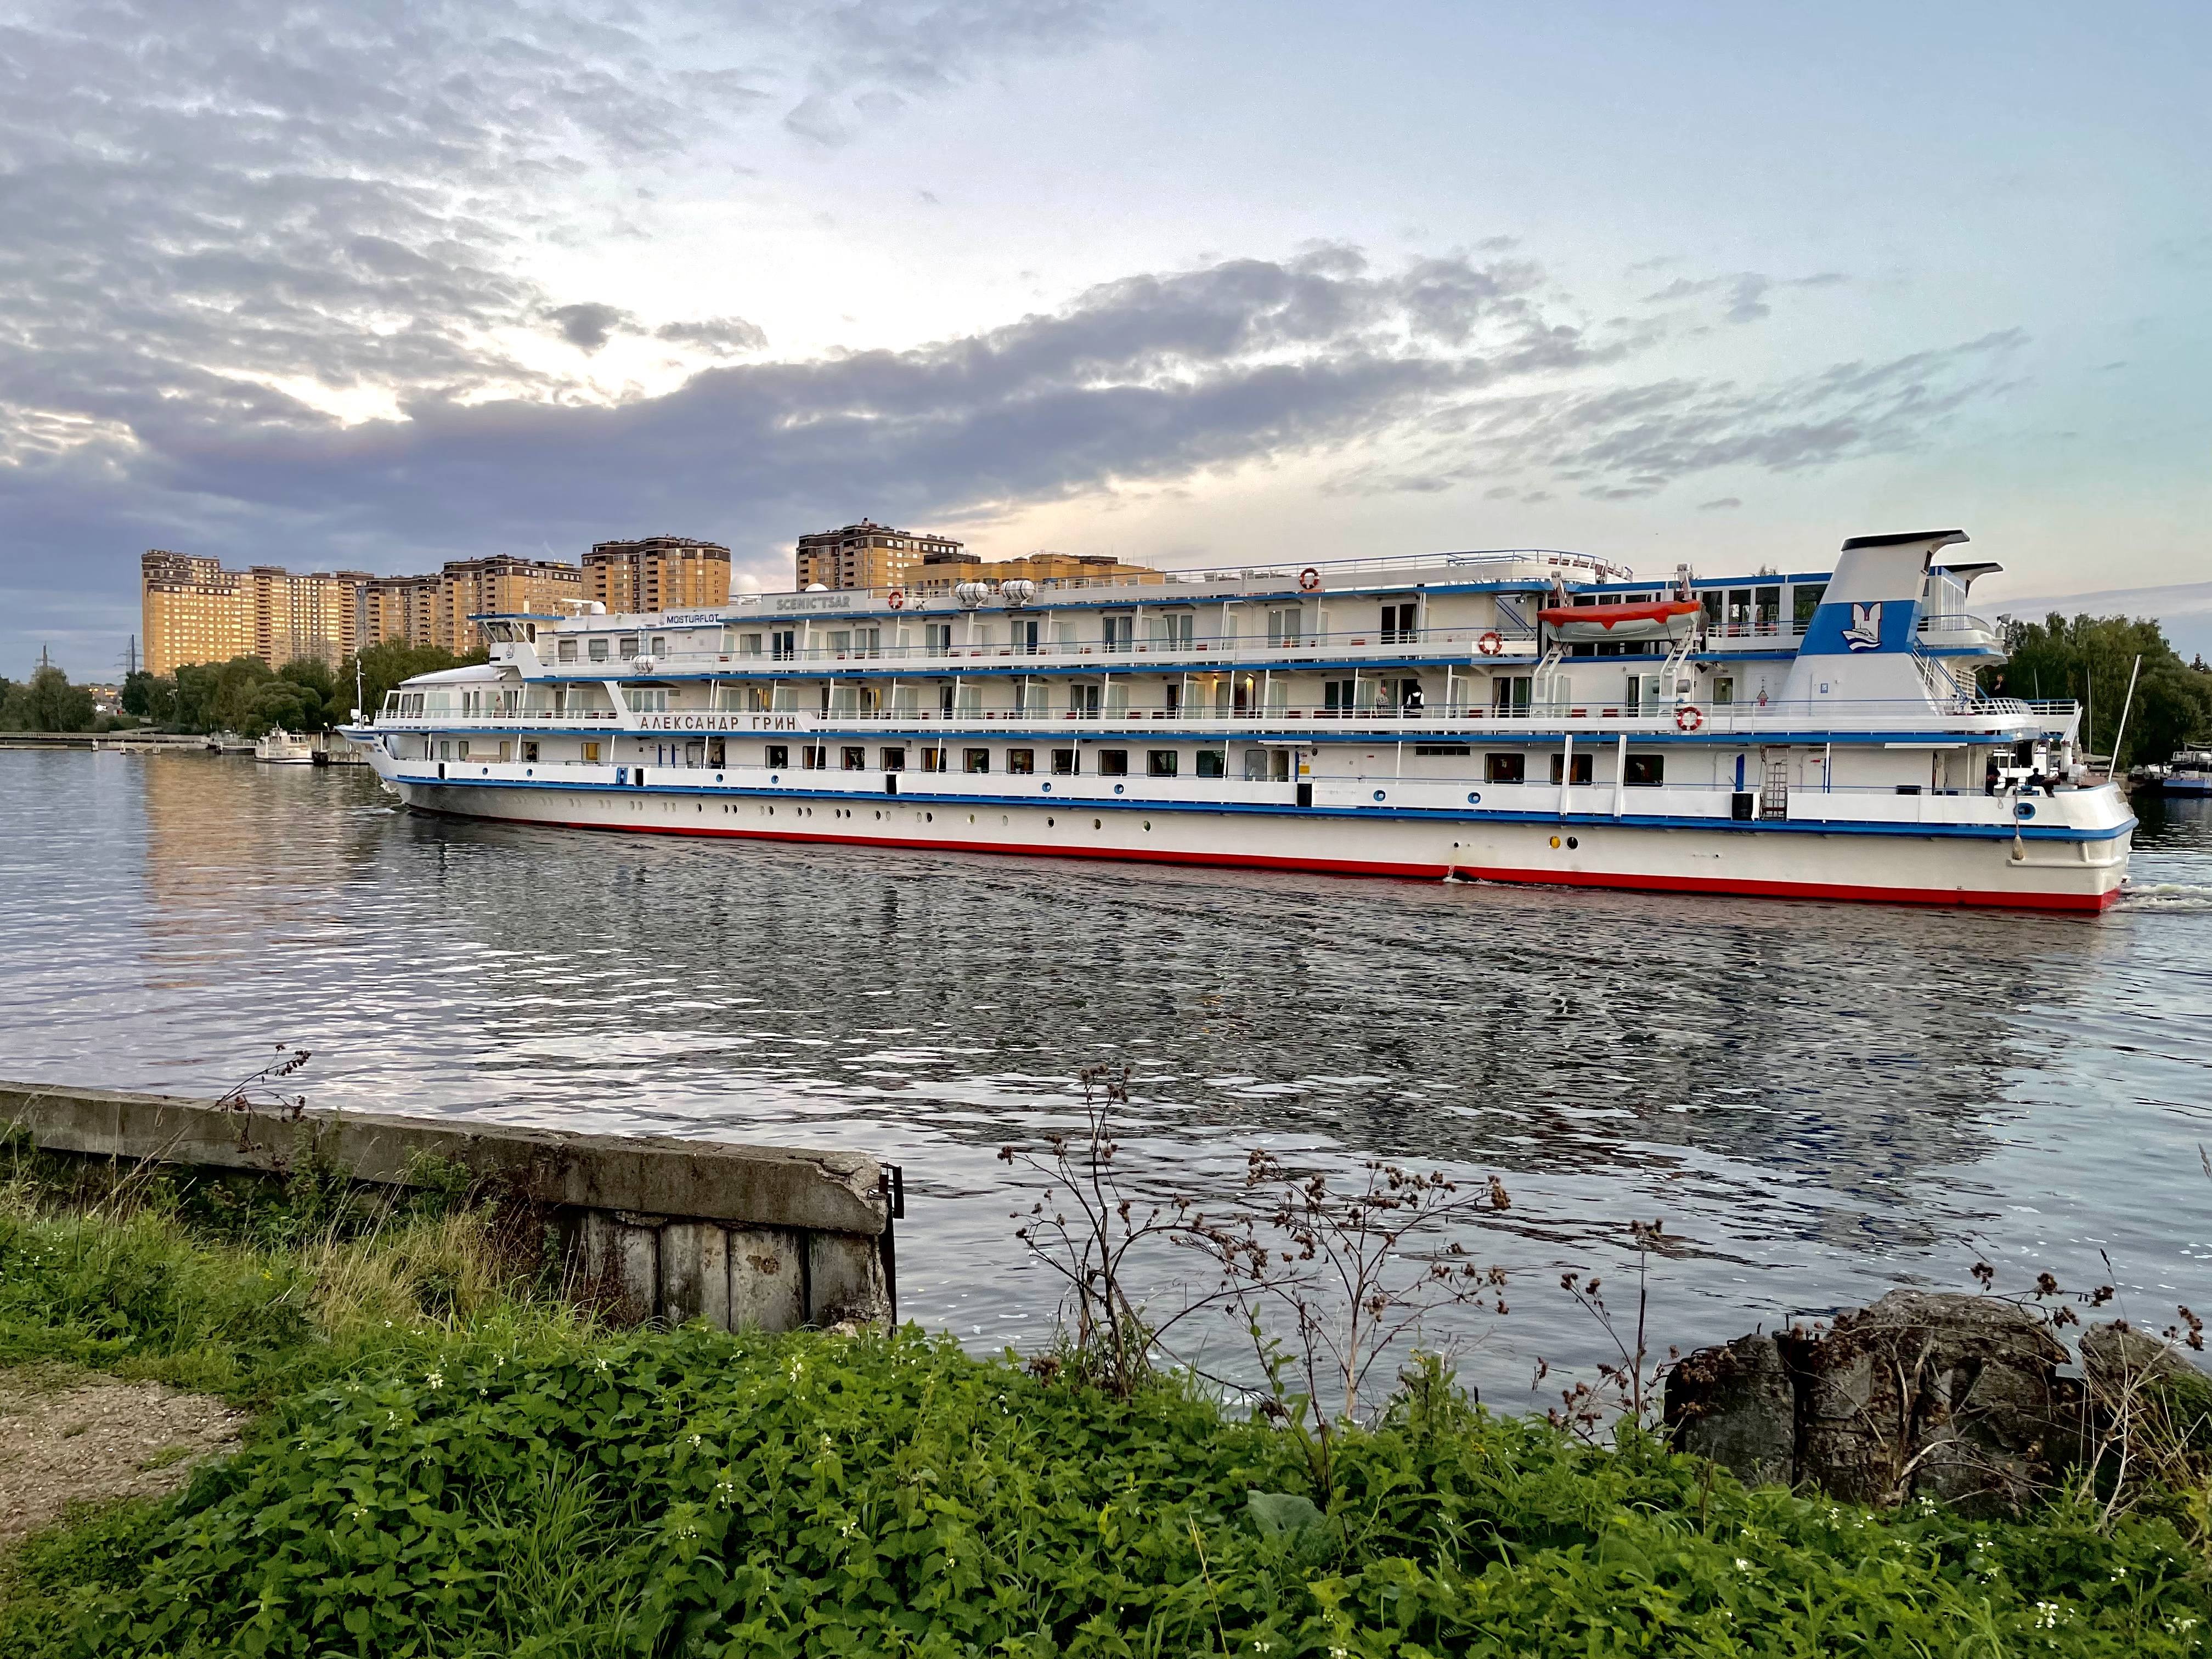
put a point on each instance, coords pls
(718, 777)
(1002, 820)
(1572, 843)
(929, 817)
(1378, 795)
(1148, 824)
(1048, 823)
(972, 817)
(1119, 787)
(1474, 798)
(1096, 823)
(529, 771)
(772, 778)
(1555, 840)
(2024, 809)
(1047, 789)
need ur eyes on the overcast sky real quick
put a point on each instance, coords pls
(377, 285)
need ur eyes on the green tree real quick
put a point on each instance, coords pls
(2088, 660)
(383, 665)
(47, 702)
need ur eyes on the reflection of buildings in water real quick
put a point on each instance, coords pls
(241, 856)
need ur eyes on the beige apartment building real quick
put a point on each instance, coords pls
(942, 575)
(868, 555)
(194, 610)
(657, 573)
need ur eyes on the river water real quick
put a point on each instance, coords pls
(1819, 1102)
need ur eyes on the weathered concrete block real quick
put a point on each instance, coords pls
(748, 1186)
(845, 1281)
(635, 1289)
(680, 1296)
(1736, 1405)
(767, 1281)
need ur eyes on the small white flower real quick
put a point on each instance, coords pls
(435, 1379)
(1742, 1565)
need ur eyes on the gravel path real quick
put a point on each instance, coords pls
(67, 1435)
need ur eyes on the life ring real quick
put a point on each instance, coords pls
(1689, 717)
(1491, 643)
(1308, 579)
(898, 599)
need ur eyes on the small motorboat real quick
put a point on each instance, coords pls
(1652, 619)
(282, 748)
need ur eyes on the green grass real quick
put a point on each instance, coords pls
(500, 1478)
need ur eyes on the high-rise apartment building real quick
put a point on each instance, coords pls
(868, 555)
(941, 575)
(657, 573)
(195, 610)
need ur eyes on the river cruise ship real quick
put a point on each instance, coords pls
(1520, 716)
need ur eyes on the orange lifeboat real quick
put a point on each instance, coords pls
(1653, 619)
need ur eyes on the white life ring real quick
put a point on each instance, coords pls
(1689, 717)
(1491, 643)
(897, 600)
(1308, 579)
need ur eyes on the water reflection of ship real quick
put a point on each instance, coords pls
(1567, 1033)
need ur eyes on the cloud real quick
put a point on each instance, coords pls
(720, 335)
(589, 326)
(1723, 504)
(1743, 295)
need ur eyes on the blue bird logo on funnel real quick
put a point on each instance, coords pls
(1865, 632)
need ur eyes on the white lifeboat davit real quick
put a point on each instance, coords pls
(1656, 619)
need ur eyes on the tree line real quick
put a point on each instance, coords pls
(2087, 660)
(244, 695)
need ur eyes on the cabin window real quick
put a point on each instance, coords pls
(463, 747)
(717, 752)
(1113, 762)
(1505, 769)
(529, 750)
(1064, 762)
(1118, 633)
(566, 651)
(1399, 626)
(779, 755)
(1739, 611)
(1725, 690)
(507, 749)
(748, 645)
(974, 760)
(783, 644)
(1644, 771)
(1173, 632)
(626, 646)
(1083, 701)
(1336, 696)
(591, 754)
(1712, 601)
(1161, 763)
(855, 758)
(1767, 609)
(1585, 770)
(937, 638)
(1442, 748)
(894, 760)
(1210, 762)
(814, 757)
(1511, 694)
(1021, 760)
(1286, 628)
(935, 760)
(660, 645)
(645, 700)
(598, 649)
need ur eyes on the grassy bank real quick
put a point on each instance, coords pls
(446, 1464)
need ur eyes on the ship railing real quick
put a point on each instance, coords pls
(1988, 716)
(1466, 643)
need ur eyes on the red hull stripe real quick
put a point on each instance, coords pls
(1953, 898)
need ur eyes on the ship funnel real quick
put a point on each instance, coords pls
(1859, 642)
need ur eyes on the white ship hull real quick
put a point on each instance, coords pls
(2077, 867)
